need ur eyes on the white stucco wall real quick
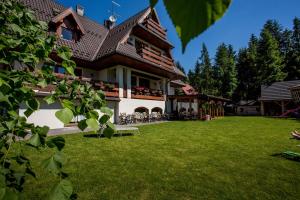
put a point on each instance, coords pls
(128, 105)
(45, 116)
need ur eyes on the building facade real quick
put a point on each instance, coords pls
(131, 62)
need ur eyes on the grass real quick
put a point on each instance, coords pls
(229, 158)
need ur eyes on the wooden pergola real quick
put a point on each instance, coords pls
(207, 104)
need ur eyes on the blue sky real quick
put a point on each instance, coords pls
(242, 18)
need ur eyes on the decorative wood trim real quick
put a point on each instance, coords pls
(135, 96)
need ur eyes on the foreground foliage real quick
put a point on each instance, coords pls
(25, 47)
(192, 17)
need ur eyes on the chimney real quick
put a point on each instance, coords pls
(80, 10)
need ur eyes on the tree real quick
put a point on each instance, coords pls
(269, 59)
(292, 62)
(230, 74)
(206, 72)
(194, 76)
(249, 84)
(25, 42)
(220, 67)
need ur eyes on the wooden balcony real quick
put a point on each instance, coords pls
(155, 57)
(155, 28)
(147, 94)
(110, 89)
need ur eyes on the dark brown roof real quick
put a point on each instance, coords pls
(278, 91)
(87, 47)
(116, 34)
(98, 41)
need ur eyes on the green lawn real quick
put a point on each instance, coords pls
(229, 158)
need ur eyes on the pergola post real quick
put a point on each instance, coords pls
(262, 108)
(282, 107)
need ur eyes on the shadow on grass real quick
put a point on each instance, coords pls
(93, 135)
(287, 155)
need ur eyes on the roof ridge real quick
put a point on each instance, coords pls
(133, 16)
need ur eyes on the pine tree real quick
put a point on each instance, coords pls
(292, 67)
(206, 73)
(220, 68)
(230, 74)
(225, 71)
(194, 76)
(269, 59)
(243, 75)
(276, 30)
(249, 86)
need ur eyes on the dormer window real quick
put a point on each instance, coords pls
(68, 26)
(67, 34)
(131, 41)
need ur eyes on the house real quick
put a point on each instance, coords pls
(250, 107)
(276, 99)
(184, 100)
(131, 62)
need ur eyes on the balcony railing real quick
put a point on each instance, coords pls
(155, 57)
(110, 89)
(146, 93)
(154, 27)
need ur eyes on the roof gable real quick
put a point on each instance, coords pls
(69, 12)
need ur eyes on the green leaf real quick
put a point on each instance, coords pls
(28, 112)
(62, 191)
(104, 119)
(58, 142)
(108, 132)
(69, 65)
(67, 104)
(8, 194)
(42, 83)
(35, 140)
(50, 99)
(153, 3)
(52, 165)
(64, 115)
(107, 111)
(192, 17)
(64, 53)
(82, 125)
(33, 104)
(93, 124)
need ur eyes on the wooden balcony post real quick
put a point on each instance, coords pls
(164, 82)
(129, 83)
(120, 80)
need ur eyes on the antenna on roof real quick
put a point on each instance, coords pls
(114, 15)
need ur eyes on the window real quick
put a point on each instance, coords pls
(112, 75)
(131, 40)
(78, 72)
(144, 83)
(66, 33)
(133, 81)
(59, 70)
